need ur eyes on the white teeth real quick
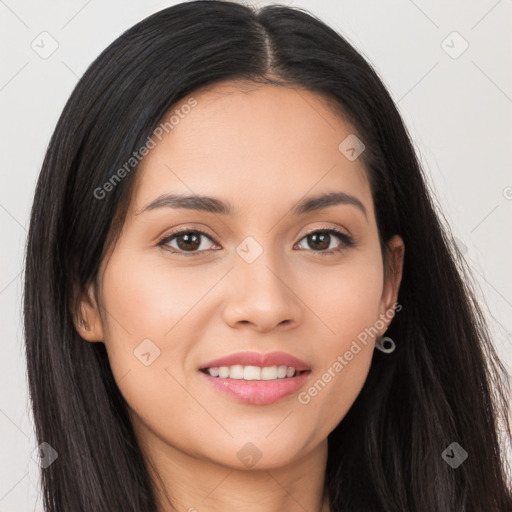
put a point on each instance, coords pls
(238, 371)
(251, 373)
(269, 373)
(223, 372)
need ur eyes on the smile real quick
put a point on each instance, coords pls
(240, 372)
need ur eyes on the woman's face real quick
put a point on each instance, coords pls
(247, 280)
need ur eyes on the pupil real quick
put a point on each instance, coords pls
(188, 238)
(323, 237)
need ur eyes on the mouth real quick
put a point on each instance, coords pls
(255, 378)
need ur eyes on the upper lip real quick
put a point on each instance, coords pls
(257, 359)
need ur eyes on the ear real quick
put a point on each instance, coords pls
(88, 322)
(392, 279)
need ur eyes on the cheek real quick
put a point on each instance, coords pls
(141, 307)
(346, 299)
(142, 304)
(149, 298)
(148, 307)
(348, 306)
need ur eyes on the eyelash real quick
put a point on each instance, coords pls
(347, 241)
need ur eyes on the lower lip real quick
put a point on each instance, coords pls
(260, 392)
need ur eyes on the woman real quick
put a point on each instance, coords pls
(238, 292)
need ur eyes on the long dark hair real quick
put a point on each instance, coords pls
(443, 384)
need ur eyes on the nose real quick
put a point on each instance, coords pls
(261, 294)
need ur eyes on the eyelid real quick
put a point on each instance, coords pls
(327, 228)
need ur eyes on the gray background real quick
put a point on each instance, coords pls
(457, 108)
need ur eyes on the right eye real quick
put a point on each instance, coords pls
(187, 241)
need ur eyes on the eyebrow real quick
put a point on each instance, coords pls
(215, 205)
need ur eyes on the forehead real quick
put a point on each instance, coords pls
(251, 144)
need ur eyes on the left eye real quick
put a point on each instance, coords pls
(322, 238)
(189, 241)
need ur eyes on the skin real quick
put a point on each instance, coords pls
(262, 148)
